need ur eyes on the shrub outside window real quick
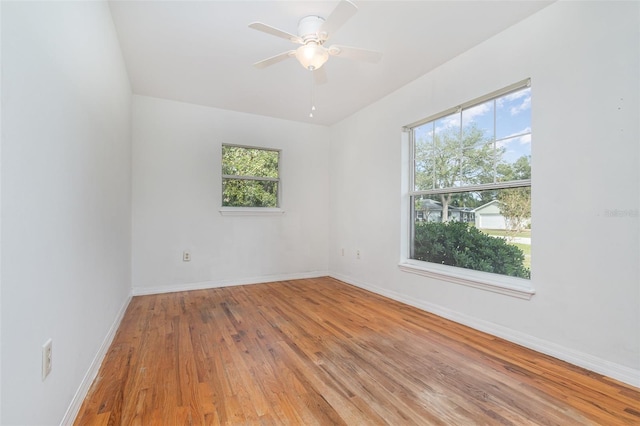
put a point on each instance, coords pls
(250, 177)
(470, 185)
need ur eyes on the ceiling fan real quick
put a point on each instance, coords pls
(313, 33)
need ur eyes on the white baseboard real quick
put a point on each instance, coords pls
(171, 288)
(87, 381)
(581, 359)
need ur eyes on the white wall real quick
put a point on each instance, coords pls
(66, 190)
(1, 67)
(177, 197)
(583, 60)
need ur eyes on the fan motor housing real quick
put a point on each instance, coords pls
(309, 27)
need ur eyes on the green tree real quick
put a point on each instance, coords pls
(448, 158)
(521, 169)
(515, 203)
(515, 206)
(249, 177)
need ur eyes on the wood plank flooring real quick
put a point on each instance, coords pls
(321, 352)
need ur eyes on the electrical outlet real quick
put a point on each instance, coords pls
(46, 358)
(357, 254)
(342, 252)
(186, 256)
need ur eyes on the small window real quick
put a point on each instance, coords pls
(250, 177)
(470, 185)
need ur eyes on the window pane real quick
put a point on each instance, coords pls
(446, 151)
(487, 231)
(478, 120)
(423, 162)
(514, 158)
(430, 207)
(449, 124)
(239, 161)
(478, 156)
(478, 164)
(513, 113)
(249, 193)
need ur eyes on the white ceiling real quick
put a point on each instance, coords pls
(202, 52)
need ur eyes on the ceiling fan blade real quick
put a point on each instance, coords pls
(355, 53)
(320, 76)
(274, 59)
(276, 32)
(338, 17)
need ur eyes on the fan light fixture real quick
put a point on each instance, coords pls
(312, 56)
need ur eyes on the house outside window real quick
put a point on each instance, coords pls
(470, 185)
(250, 177)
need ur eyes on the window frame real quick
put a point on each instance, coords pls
(503, 284)
(251, 210)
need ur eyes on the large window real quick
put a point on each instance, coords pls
(250, 177)
(470, 185)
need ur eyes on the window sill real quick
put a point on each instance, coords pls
(510, 286)
(250, 211)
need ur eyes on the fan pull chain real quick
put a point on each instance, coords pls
(313, 107)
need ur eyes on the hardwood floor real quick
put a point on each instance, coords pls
(321, 352)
